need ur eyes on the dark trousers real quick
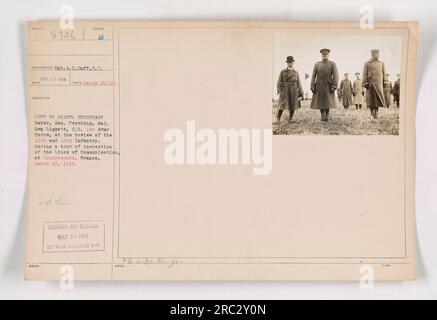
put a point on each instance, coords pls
(324, 113)
(396, 100)
(280, 112)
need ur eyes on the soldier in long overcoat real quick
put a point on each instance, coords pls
(324, 83)
(358, 92)
(374, 80)
(388, 90)
(289, 90)
(397, 90)
(345, 91)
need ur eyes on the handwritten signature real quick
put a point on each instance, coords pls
(153, 261)
(54, 202)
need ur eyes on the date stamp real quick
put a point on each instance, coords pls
(73, 236)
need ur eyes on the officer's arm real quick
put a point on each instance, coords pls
(365, 79)
(279, 83)
(299, 85)
(335, 78)
(313, 78)
(384, 76)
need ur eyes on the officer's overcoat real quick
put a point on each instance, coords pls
(374, 80)
(358, 92)
(324, 82)
(388, 90)
(289, 89)
(345, 92)
(397, 91)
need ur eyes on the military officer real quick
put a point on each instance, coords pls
(358, 92)
(324, 83)
(374, 80)
(388, 90)
(397, 90)
(345, 91)
(289, 90)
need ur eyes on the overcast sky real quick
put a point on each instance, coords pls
(350, 52)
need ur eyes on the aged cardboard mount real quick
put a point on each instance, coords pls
(151, 157)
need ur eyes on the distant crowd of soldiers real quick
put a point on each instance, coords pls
(354, 94)
(373, 90)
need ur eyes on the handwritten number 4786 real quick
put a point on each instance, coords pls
(63, 35)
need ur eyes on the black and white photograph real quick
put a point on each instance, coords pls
(139, 160)
(336, 84)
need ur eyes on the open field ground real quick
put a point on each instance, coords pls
(307, 121)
